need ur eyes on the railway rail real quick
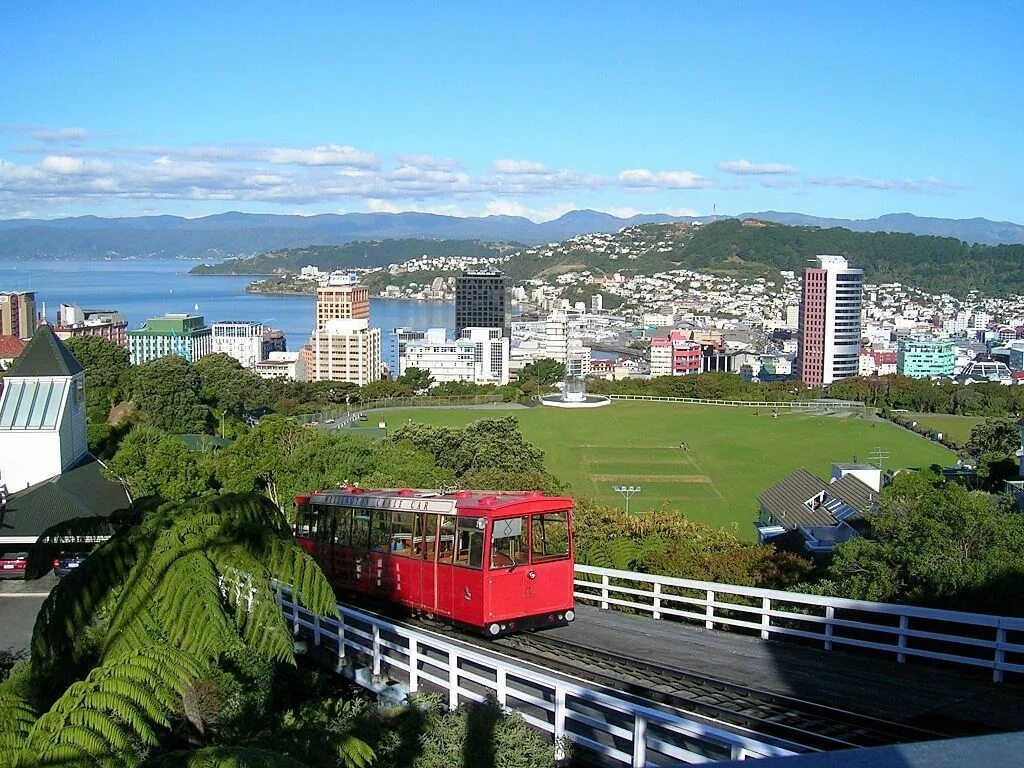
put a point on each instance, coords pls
(802, 724)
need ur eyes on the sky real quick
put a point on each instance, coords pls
(847, 110)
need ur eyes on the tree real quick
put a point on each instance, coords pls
(545, 372)
(993, 447)
(225, 385)
(935, 543)
(121, 644)
(166, 394)
(154, 463)
(416, 379)
(106, 367)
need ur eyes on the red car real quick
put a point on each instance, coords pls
(13, 565)
(495, 562)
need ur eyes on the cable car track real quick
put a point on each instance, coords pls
(805, 723)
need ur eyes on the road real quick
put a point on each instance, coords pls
(19, 604)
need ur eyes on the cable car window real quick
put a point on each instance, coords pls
(314, 522)
(508, 542)
(402, 525)
(550, 536)
(469, 543)
(380, 528)
(343, 534)
(302, 518)
(423, 537)
(445, 541)
(360, 529)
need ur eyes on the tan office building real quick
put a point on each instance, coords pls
(341, 302)
(345, 350)
(18, 314)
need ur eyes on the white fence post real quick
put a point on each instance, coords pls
(316, 629)
(414, 665)
(657, 600)
(766, 619)
(501, 685)
(830, 615)
(639, 741)
(997, 671)
(559, 723)
(904, 623)
(376, 650)
(453, 680)
(709, 612)
(604, 592)
(295, 614)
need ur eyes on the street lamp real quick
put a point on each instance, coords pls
(627, 491)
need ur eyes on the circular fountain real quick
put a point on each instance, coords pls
(574, 395)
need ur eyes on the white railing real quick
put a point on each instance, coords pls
(981, 640)
(612, 724)
(806, 405)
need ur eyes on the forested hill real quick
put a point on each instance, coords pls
(752, 247)
(376, 253)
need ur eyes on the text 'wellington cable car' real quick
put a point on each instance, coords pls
(495, 561)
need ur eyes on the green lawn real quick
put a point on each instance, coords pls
(733, 455)
(956, 428)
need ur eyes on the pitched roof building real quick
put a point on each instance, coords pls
(47, 474)
(805, 513)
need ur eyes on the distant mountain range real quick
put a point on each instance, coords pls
(243, 234)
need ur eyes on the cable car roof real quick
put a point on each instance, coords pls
(480, 503)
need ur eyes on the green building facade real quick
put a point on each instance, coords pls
(172, 334)
(923, 358)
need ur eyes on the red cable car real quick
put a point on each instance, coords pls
(497, 562)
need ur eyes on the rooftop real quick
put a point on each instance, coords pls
(44, 356)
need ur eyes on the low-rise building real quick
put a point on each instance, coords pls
(479, 355)
(674, 355)
(10, 348)
(247, 341)
(173, 334)
(283, 365)
(923, 358)
(74, 322)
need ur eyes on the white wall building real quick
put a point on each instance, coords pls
(246, 341)
(480, 355)
(42, 413)
(282, 365)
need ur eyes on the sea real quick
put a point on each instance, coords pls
(148, 288)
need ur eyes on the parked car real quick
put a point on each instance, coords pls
(65, 564)
(13, 565)
(363, 417)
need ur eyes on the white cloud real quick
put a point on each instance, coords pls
(641, 178)
(72, 166)
(513, 167)
(929, 184)
(747, 168)
(60, 135)
(515, 208)
(324, 154)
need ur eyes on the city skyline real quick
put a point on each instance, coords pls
(682, 109)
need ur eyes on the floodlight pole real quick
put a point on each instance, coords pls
(627, 491)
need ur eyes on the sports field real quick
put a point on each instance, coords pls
(731, 455)
(956, 428)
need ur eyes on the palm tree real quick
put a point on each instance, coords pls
(119, 642)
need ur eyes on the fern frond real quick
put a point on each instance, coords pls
(224, 757)
(17, 716)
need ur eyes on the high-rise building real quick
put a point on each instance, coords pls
(397, 340)
(341, 299)
(172, 334)
(481, 301)
(345, 350)
(18, 314)
(830, 321)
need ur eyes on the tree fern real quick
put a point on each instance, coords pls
(224, 757)
(17, 716)
(110, 715)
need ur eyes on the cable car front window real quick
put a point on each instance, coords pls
(508, 543)
(550, 536)
(469, 550)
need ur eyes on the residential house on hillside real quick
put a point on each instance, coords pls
(804, 514)
(10, 348)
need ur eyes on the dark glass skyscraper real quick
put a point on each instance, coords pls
(481, 301)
